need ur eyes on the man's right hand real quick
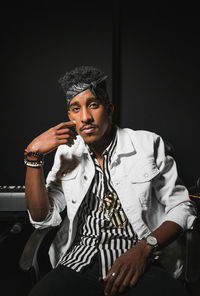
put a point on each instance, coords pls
(52, 138)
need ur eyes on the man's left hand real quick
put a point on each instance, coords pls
(127, 269)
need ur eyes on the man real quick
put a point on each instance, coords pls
(119, 191)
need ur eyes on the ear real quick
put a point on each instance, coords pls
(110, 109)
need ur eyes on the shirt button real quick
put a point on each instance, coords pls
(64, 174)
(85, 178)
(146, 175)
(100, 246)
(73, 201)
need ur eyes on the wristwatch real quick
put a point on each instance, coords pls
(152, 241)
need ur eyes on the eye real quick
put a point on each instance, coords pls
(94, 105)
(75, 109)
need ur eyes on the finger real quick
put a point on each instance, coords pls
(134, 280)
(109, 285)
(115, 286)
(118, 283)
(65, 124)
(65, 131)
(126, 282)
(66, 142)
(66, 136)
(115, 268)
(113, 282)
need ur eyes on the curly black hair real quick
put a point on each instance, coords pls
(82, 74)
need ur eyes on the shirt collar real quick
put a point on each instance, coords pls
(110, 149)
(124, 145)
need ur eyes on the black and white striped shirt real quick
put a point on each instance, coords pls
(101, 230)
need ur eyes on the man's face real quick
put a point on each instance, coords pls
(92, 116)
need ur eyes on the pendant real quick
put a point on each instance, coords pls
(114, 210)
(109, 200)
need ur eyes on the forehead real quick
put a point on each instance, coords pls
(83, 97)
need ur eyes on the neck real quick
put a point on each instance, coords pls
(98, 148)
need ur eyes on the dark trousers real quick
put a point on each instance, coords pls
(63, 281)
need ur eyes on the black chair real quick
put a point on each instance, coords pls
(192, 274)
(35, 260)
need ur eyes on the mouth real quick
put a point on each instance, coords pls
(88, 129)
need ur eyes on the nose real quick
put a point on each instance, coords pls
(86, 116)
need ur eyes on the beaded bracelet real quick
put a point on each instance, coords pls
(34, 164)
(39, 161)
(34, 154)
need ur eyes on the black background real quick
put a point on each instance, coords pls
(39, 45)
(158, 58)
(151, 54)
(160, 78)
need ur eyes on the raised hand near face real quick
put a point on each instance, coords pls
(53, 137)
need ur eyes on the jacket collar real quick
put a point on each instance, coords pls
(124, 145)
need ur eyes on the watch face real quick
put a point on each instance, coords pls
(151, 240)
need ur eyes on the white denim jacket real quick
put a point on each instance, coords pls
(144, 177)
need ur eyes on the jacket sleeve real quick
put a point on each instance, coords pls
(169, 189)
(55, 194)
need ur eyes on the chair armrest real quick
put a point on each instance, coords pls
(28, 260)
(192, 271)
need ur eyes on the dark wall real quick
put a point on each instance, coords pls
(156, 75)
(38, 45)
(160, 88)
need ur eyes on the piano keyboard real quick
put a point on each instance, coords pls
(12, 198)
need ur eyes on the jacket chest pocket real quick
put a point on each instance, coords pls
(68, 180)
(142, 180)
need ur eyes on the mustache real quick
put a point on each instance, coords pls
(87, 126)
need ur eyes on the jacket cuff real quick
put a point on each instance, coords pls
(182, 218)
(52, 219)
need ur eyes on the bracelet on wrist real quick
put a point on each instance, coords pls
(34, 164)
(32, 154)
(33, 159)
